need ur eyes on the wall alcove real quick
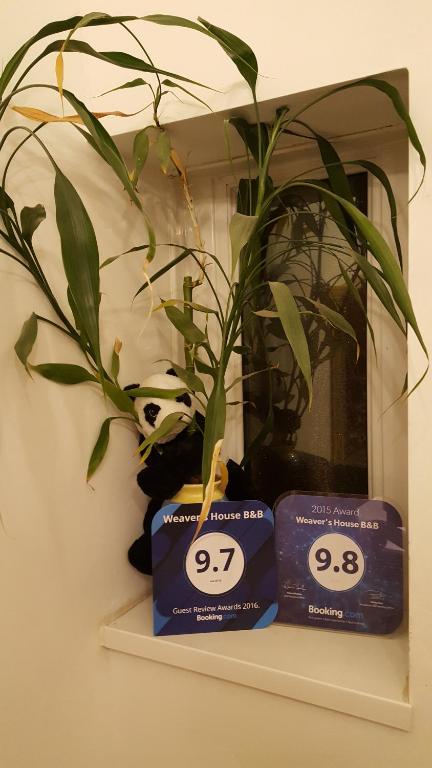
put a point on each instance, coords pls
(363, 676)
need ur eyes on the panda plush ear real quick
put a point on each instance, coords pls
(171, 372)
(131, 386)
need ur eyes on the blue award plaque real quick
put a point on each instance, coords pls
(223, 580)
(340, 563)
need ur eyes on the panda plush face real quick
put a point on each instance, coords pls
(152, 411)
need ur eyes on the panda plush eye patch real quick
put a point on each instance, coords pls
(184, 399)
(151, 411)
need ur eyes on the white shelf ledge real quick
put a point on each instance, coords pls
(364, 676)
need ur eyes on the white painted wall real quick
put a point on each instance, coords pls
(63, 700)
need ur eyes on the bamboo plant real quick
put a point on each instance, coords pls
(260, 204)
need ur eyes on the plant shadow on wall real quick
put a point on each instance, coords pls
(275, 270)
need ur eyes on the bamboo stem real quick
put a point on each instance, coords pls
(187, 297)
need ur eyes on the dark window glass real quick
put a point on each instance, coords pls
(292, 448)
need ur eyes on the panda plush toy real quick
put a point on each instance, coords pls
(174, 460)
(152, 411)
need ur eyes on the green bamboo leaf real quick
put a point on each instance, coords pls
(130, 84)
(336, 212)
(162, 271)
(352, 288)
(248, 132)
(115, 360)
(27, 338)
(378, 172)
(140, 153)
(59, 67)
(46, 31)
(242, 350)
(172, 84)
(163, 150)
(174, 21)
(120, 398)
(85, 21)
(335, 319)
(162, 394)
(390, 270)
(293, 328)
(190, 379)
(379, 287)
(393, 94)
(183, 303)
(80, 260)
(240, 230)
(100, 447)
(214, 428)
(239, 52)
(338, 180)
(30, 219)
(63, 373)
(164, 429)
(101, 444)
(202, 367)
(116, 58)
(105, 145)
(246, 376)
(185, 326)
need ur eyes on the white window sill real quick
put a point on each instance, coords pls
(364, 676)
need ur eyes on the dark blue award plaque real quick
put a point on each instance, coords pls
(339, 562)
(223, 580)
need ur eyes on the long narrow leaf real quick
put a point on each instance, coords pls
(115, 360)
(240, 231)
(59, 67)
(49, 29)
(190, 379)
(172, 84)
(338, 180)
(27, 338)
(352, 288)
(381, 251)
(185, 326)
(378, 172)
(140, 152)
(250, 135)
(241, 54)
(40, 116)
(101, 444)
(395, 97)
(214, 428)
(164, 429)
(100, 447)
(30, 219)
(138, 81)
(162, 271)
(80, 259)
(291, 322)
(64, 373)
(120, 398)
(336, 319)
(163, 150)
